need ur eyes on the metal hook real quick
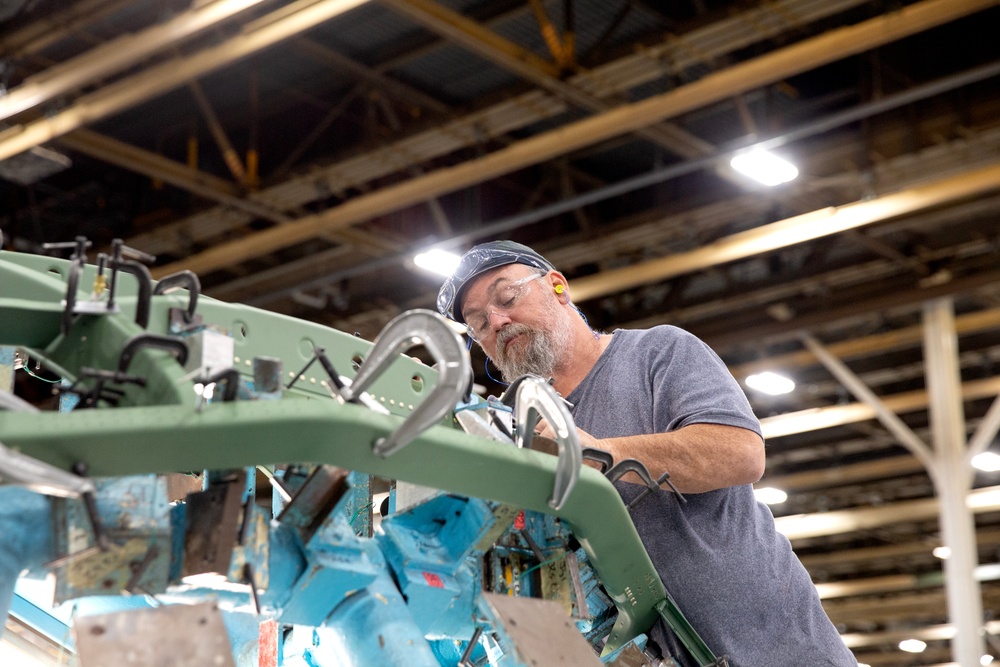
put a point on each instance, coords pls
(454, 379)
(536, 398)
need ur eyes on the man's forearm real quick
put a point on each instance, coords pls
(700, 457)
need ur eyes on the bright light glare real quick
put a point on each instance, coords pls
(912, 646)
(764, 167)
(205, 391)
(987, 461)
(770, 383)
(437, 261)
(770, 495)
(942, 552)
(863, 664)
(986, 660)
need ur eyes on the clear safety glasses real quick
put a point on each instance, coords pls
(504, 300)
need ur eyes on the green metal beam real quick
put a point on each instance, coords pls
(160, 429)
(162, 439)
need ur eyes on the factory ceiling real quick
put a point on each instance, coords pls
(297, 154)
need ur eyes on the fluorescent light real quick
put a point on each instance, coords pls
(987, 461)
(770, 495)
(764, 167)
(437, 261)
(986, 660)
(912, 646)
(942, 552)
(770, 383)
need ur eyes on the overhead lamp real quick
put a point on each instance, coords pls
(912, 646)
(987, 461)
(770, 383)
(770, 495)
(986, 660)
(942, 552)
(437, 261)
(764, 167)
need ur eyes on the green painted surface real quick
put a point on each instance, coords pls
(161, 430)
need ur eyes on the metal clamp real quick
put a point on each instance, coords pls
(454, 380)
(632, 465)
(187, 279)
(602, 456)
(536, 398)
(169, 343)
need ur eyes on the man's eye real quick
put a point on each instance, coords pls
(507, 297)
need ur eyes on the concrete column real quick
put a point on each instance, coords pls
(953, 480)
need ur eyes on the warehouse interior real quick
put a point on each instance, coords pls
(297, 155)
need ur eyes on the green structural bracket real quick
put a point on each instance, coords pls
(673, 617)
(160, 428)
(161, 439)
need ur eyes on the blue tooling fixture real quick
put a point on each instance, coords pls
(512, 556)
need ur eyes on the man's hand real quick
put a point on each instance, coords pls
(544, 431)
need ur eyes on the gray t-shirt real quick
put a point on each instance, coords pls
(733, 576)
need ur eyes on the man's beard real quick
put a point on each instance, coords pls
(537, 354)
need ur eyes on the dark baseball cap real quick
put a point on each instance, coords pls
(479, 259)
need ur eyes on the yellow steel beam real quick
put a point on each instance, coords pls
(229, 154)
(821, 524)
(964, 324)
(798, 229)
(260, 34)
(760, 71)
(116, 55)
(814, 419)
(608, 80)
(474, 37)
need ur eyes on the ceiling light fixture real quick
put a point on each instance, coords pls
(437, 261)
(764, 167)
(912, 646)
(986, 660)
(942, 552)
(987, 461)
(770, 383)
(770, 495)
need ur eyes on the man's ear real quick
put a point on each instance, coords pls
(559, 285)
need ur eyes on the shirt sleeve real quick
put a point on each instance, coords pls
(691, 385)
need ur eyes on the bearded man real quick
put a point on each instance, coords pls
(663, 397)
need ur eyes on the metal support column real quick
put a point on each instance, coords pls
(953, 479)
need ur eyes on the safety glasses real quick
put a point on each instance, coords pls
(504, 300)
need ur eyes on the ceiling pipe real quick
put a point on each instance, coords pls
(813, 419)
(54, 26)
(116, 55)
(508, 224)
(761, 71)
(838, 522)
(257, 35)
(671, 56)
(791, 231)
(891, 340)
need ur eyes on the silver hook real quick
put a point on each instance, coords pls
(536, 398)
(404, 332)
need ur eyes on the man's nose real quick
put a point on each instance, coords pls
(497, 319)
